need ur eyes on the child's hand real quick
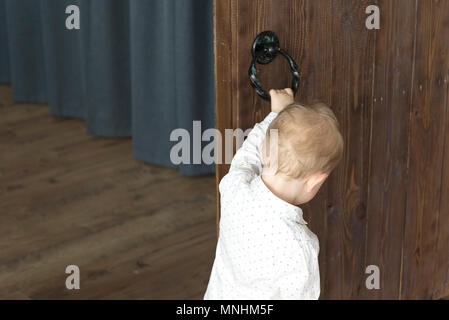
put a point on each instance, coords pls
(281, 99)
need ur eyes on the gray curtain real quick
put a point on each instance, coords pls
(139, 68)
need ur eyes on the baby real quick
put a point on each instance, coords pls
(265, 249)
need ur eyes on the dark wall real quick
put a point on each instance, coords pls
(387, 203)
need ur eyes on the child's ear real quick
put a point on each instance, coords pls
(323, 178)
(316, 180)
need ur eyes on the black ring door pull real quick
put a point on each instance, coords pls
(265, 49)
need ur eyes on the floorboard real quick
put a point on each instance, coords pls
(136, 231)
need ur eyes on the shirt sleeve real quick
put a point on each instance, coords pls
(246, 161)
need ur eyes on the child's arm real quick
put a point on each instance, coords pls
(247, 158)
(246, 161)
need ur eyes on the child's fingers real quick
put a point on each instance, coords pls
(287, 91)
(275, 91)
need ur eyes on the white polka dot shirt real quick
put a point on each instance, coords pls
(264, 250)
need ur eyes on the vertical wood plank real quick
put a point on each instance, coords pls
(352, 60)
(389, 144)
(441, 272)
(222, 78)
(426, 152)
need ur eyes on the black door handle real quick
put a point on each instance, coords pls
(265, 49)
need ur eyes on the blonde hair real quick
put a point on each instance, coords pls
(309, 140)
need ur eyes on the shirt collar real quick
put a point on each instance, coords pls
(287, 209)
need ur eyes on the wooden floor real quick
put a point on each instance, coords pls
(136, 231)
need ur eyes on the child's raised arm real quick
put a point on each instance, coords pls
(246, 161)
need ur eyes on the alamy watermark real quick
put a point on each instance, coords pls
(189, 147)
(73, 280)
(373, 280)
(373, 20)
(73, 19)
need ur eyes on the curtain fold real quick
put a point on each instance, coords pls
(4, 53)
(139, 68)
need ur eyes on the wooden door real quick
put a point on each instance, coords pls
(387, 204)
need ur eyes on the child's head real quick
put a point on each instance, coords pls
(309, 147)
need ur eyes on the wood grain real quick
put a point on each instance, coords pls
(441, 268)
(352, 60)
(136, 231)
(386, 204)
(392, 91)
(422, 226)
(223, 84)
